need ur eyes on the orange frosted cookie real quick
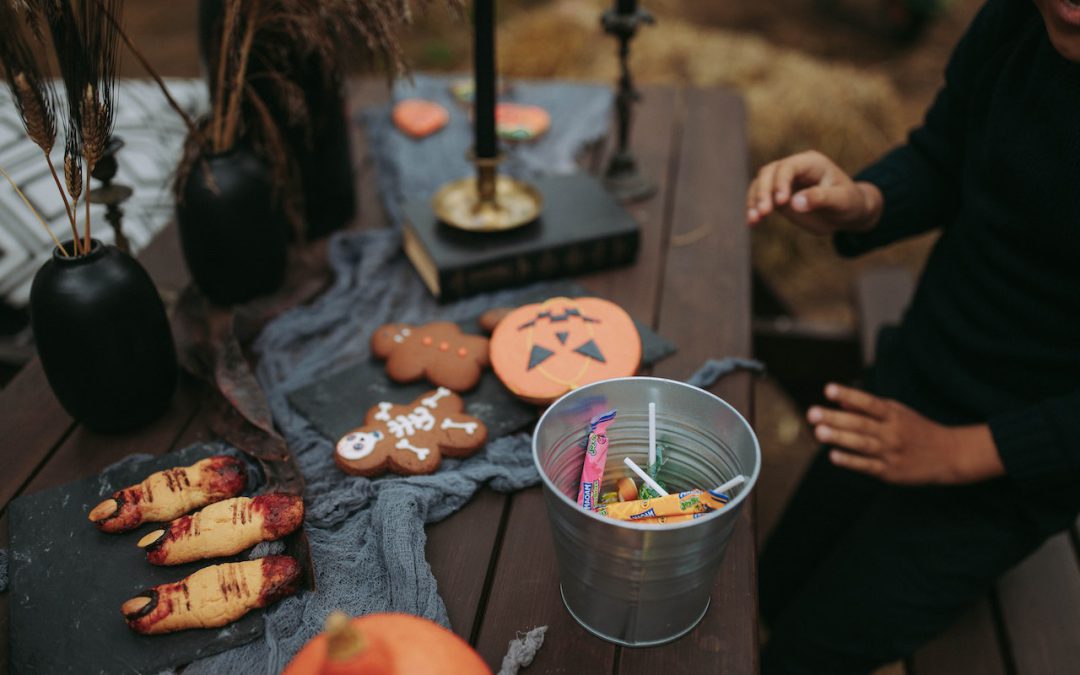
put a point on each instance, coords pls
(419, 118)
(544, 350)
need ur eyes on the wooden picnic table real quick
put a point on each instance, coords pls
(493, 560)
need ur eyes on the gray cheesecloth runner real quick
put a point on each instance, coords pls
(367, 536)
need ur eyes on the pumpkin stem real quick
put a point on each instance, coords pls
(343, 641)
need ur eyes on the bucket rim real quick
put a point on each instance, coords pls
(751, 480)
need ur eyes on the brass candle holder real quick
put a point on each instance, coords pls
(488, 202)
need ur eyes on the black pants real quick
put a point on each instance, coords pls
(859, 573)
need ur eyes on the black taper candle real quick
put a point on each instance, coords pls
(484, 65)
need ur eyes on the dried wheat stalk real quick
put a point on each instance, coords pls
(31, 88)
(100, 63)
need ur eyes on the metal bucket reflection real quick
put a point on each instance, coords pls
(629, 583)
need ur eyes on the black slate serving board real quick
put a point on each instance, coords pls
(68, 580)
(338, 403)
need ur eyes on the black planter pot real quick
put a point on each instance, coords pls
(322, 152)
(232, 230)
(103, 338)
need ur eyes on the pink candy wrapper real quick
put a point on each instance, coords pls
(592, 474)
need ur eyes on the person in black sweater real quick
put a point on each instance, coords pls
(963, 454)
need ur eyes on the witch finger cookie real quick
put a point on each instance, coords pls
(410, 439)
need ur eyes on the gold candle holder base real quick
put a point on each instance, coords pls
(487, 202)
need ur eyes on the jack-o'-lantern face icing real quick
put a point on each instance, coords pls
(542, 351)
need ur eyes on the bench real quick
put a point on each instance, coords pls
(1030, 623)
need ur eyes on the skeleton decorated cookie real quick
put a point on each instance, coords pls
(411, 439)
(437, 351)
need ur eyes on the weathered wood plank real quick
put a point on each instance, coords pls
(705, 308)
(85, 452)
(525, 594)
(32, 425)
(1040, 607)
(460, 551)
(969, 646)
(881, 296)
(653, 134)
(515, 605)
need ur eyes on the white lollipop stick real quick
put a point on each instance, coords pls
(645, 477)
(652, 434)
(737, 480)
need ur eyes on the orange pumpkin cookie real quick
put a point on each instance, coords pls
(544, 350)
(410, 439)
(438, 351)
(419, 118)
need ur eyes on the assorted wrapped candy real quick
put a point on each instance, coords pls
(676, 504)
(626, 501)
(592, 474)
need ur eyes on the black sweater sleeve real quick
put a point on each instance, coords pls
(1040, 445)
(920, 180)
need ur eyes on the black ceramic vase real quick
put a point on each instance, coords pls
(232, 229)
(103, 338)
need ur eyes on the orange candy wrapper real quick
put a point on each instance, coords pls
(691, 503)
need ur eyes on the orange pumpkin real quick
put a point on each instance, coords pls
(544, 350)
(385, 644)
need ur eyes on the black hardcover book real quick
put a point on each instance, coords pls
(581, 229)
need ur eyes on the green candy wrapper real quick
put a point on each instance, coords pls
(646, 492)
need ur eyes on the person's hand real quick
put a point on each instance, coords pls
(888, 440)
(813, 193)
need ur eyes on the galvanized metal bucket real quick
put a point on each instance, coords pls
(630, 583)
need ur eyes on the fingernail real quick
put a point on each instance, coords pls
(798, 202)
(752, 215)
(814, 414)
(831, 390)
(822, 433)
(781, 196)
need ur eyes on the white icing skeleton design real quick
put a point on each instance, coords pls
(469, 427)
(433, 400)
(420, 419)
(384, 412)
(421, 453)
(427, 421)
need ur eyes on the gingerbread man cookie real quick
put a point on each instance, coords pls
(437, 351)
(411, 439)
